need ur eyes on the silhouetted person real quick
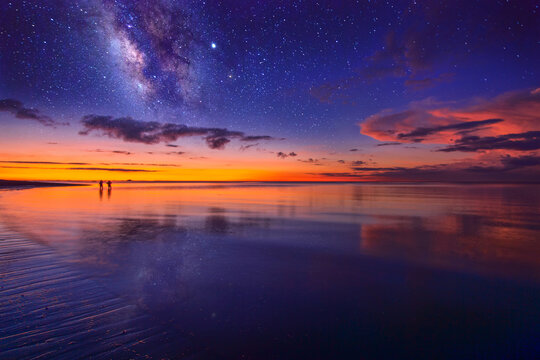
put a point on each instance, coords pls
(100, 185)
(109, 185)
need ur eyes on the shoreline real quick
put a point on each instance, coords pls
(19, 184)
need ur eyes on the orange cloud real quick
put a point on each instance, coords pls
(435, 122)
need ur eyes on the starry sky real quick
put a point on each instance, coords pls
(270, 90)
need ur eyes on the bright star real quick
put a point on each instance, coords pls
(213, 45)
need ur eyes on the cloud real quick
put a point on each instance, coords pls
(283, 155)
(511, 163)
(311, 161)
(17, 108)
(172, 145)
(336, 90)
(80, 167)
(110, 169)
(431, 121)
(123, 152)
(353, 150)
(43, 162)
(389, 144)
(338, 174)
(152, 132)
(257, 138)
(217, 142)
(421, 84)
(175, 153)
(395, 168)
(418, 134)
(245, 147)
(507, 169)
(391, 60)
(141, 164)
(521, 142)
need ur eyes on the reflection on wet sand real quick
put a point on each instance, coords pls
(322, 271)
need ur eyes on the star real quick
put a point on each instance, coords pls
(213, 45)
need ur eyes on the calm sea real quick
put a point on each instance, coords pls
(274, 270)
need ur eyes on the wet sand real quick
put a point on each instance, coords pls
(48, 310)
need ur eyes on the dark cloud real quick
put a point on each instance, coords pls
(358, 162)
(382, 64)
(123, 152)
(353, 150)
(508, 169)
(152, 132)
(17, 108)
(389, 144)
(433, 38)
(336, 90)
(285, 155)
(338, 174)
(79, 168)
(218, 142)
(341, 161)
(396, 168)
(418, 134)
(510, 162)
(110, 169)
(391, 60)
(175, 153)
(141, 164)
(257, 138)
(43, 162)
(310, 161)
(172, 145)
(526, 141)
(420, 84)
(245, 147)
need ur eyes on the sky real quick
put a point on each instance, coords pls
(270, 90)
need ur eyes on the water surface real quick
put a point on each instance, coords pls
(318, 270)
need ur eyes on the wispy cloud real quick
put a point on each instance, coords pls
(122, 152)
(43, 162)
(521, 142)
(283, 155)
(110, 169)
(17, 108)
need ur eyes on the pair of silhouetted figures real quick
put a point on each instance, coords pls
(109, 185)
